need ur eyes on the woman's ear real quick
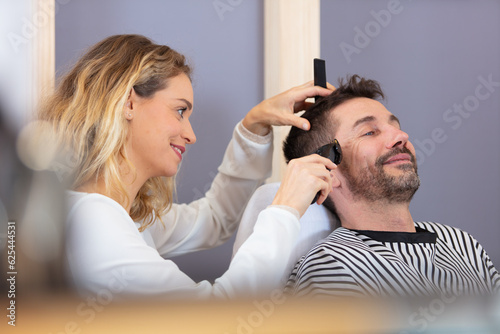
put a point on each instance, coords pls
(132, 99)
(129, 106)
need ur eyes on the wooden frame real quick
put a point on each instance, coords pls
(291, 41)
(43, 50)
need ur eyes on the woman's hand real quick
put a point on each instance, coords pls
(281, 109)
(303, 178)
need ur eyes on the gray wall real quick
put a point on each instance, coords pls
(226, 52)
(428, 58)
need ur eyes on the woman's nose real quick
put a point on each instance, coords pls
(188, 133)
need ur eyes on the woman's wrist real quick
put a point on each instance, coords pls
(293, 211)
(259, 139)
(252, 125)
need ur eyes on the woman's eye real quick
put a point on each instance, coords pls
(181, 111)
(369, 133)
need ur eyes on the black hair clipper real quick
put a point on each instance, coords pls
(331, 151)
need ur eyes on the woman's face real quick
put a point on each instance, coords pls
(159, 128)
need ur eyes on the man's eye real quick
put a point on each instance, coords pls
(369, 133)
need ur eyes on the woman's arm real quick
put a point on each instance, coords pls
(107, 255)
(211, 220)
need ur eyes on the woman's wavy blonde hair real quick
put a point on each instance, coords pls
(87, 112)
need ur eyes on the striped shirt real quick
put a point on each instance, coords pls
(437, 260)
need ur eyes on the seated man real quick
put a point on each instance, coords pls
(379, 250)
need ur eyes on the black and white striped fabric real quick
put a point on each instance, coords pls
(436, 260)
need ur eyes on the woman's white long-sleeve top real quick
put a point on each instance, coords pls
(107, 253)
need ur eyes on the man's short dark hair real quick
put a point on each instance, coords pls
(300, 143)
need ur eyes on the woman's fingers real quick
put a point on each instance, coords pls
(300, 94)
(303, 179)
(280, 109)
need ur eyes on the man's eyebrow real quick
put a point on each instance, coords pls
(368, 119)
(363, 120)
(189, 105)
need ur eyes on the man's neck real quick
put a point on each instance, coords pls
(378, 216)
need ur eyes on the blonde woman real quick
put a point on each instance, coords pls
(123, 112)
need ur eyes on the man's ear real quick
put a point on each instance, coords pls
(336, 178)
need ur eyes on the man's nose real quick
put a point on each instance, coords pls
(399, 138)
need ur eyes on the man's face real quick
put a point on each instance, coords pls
(379, 162)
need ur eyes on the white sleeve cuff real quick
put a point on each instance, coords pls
(287, 208)
(254, 137)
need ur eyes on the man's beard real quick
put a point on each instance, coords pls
(374, 184)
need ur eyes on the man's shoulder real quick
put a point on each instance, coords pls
(437, 227)
(340, 238)
(443, 231)
(331, 249)
(340, 235)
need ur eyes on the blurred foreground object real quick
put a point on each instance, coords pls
(31, 202)
(273, 315)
